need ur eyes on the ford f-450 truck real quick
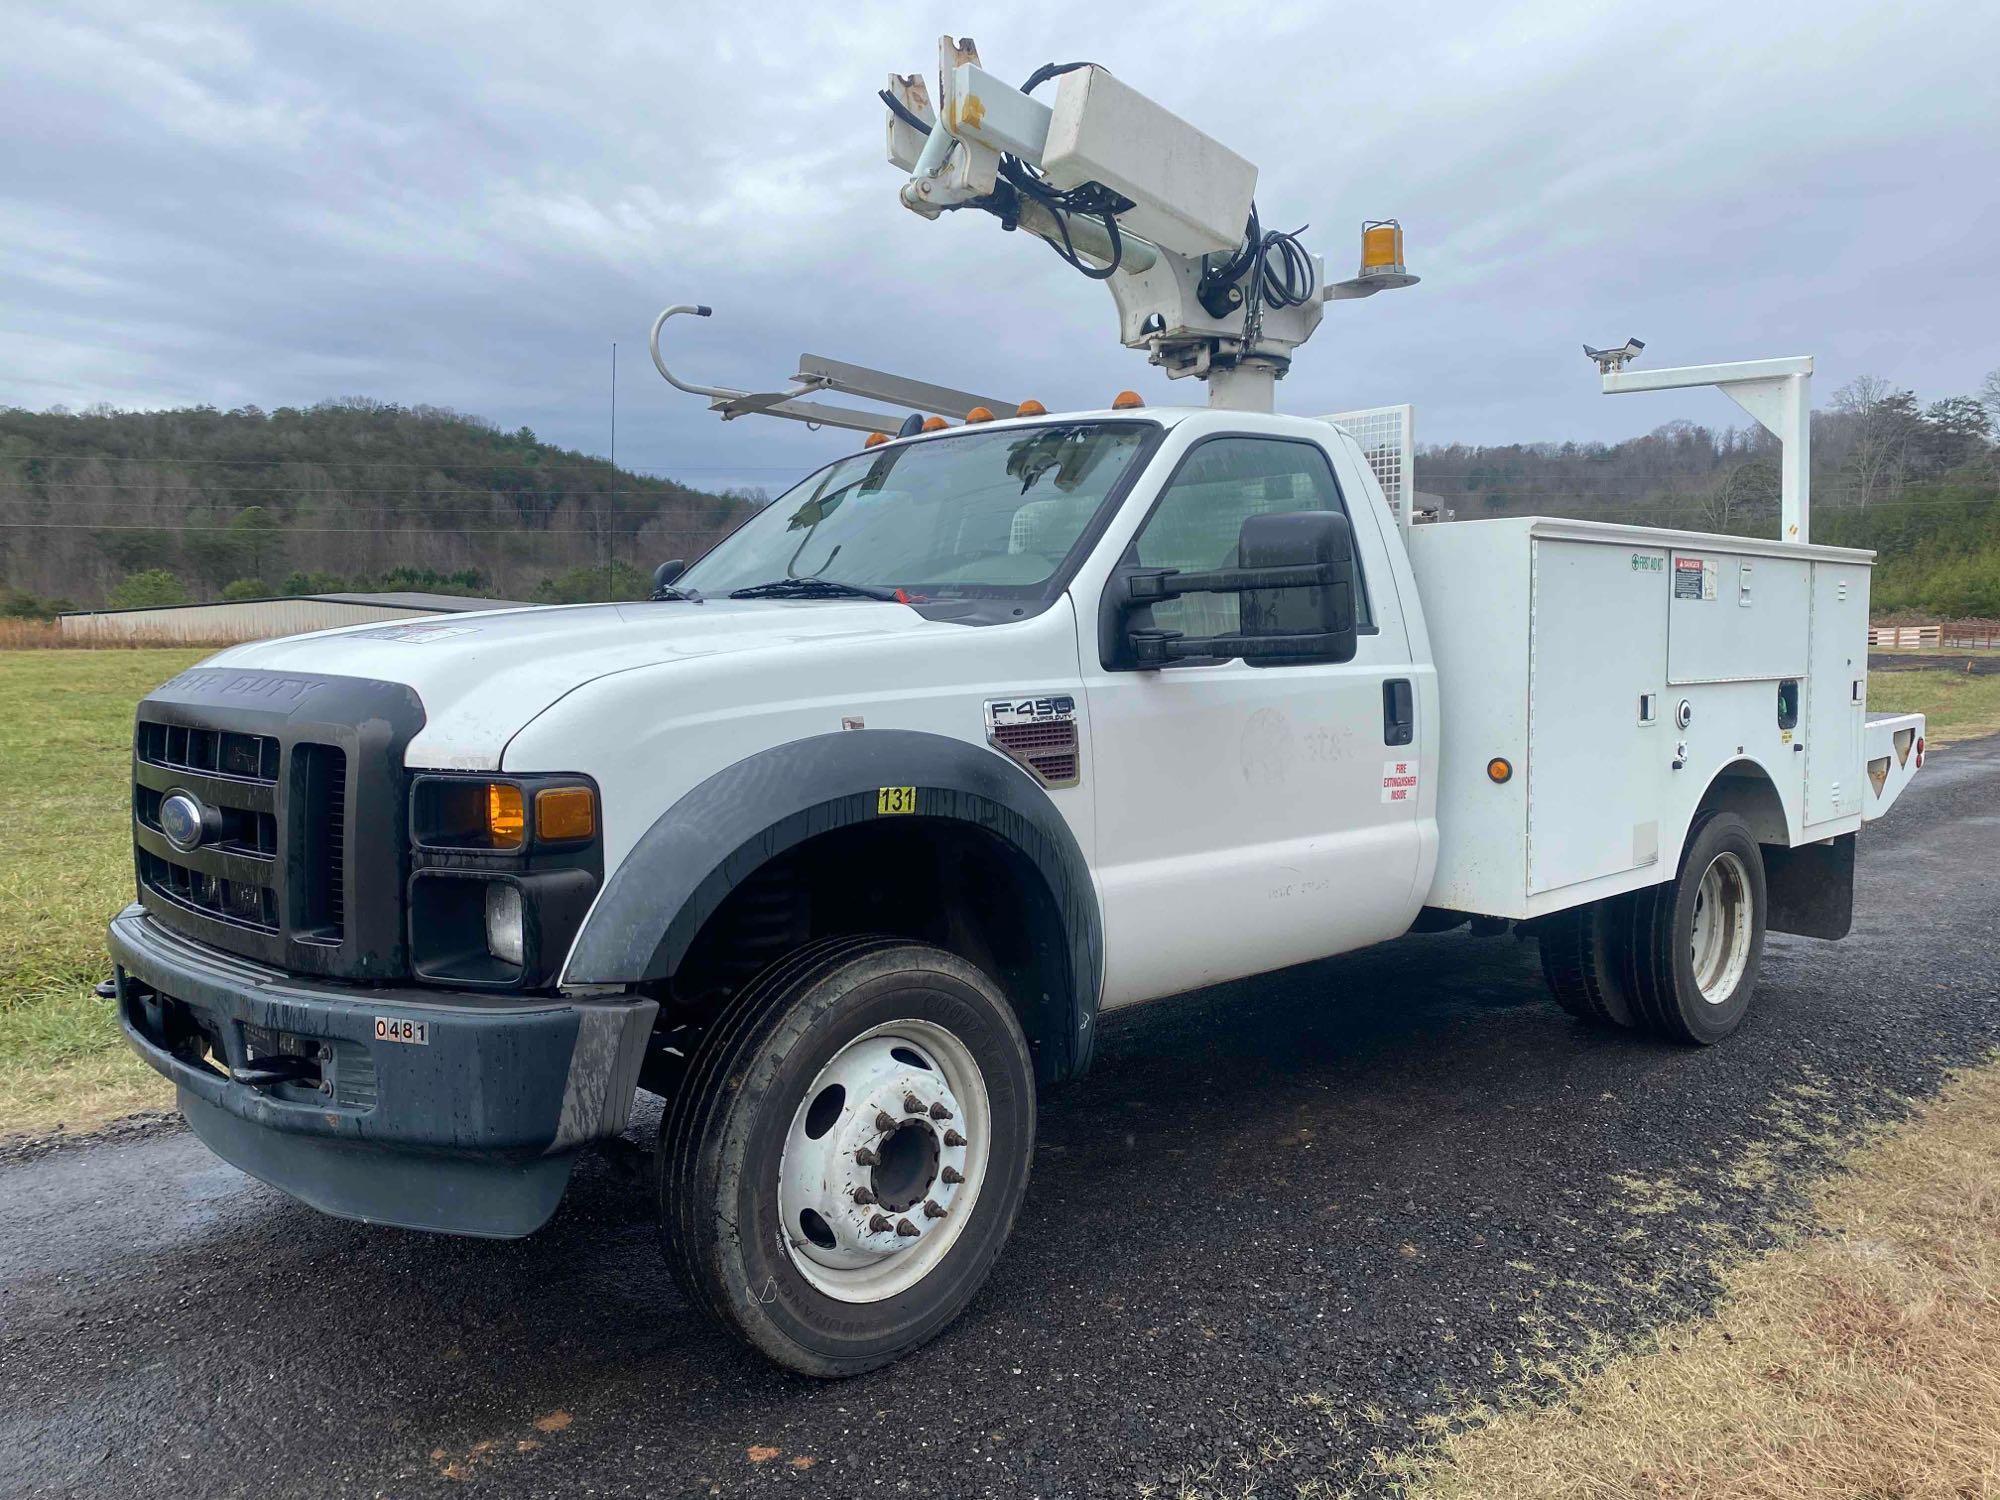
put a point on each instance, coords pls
(847, 841)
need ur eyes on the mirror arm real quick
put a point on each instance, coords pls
(1156, 584)
(1155, 648)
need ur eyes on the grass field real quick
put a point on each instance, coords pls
(1960, 706)
(65, 867)
(65, 863)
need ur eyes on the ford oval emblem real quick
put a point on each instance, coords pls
(182, 821)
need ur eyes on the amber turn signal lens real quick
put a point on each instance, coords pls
(875, 440)
(1031, 408)
(1500, 769)
(1126, 400)
(506, 815)
(933, 424)
(565, 812)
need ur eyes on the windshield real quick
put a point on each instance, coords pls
(975, 514)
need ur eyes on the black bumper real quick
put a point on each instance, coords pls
(473, 1131)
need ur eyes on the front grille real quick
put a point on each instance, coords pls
(320, 777)
(304, 800)
(1047, 749)
(240, 877)
(214, 752)
(244, 830)
(239, 902)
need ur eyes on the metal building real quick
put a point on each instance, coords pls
(231, 620)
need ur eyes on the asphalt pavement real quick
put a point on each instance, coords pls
(1281, 1222)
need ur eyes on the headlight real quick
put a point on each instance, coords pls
(503, 921)
(503, 869)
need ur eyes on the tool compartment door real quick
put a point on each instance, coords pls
(1836, 691)
(1595, 764)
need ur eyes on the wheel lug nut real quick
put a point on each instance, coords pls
(932, 1211)
(863, 1196)
(952, 1174)
(866, 1158)
(906, 1230)
(883, 1121)
(939, 1112)
(953, 1138)
(912, 1104)
(879, 1224)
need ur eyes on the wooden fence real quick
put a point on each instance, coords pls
(1962, 637)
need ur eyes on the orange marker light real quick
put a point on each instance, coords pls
(1031, 408)
(565, 812)
(979, 414)
(1500, 770)
(1126, 400)
(506, 815)
(934, 424)
(875, 440)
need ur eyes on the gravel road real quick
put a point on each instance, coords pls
(1281, 1222)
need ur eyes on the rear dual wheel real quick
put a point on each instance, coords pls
(848, 1153)
(1679, 958)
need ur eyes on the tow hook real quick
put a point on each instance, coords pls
(267, 1071)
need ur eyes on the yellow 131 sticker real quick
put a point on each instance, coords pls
(896, 799)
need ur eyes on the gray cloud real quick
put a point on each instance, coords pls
(465, 204)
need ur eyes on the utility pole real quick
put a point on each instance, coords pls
(613, 497)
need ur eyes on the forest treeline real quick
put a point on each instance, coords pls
(126, 508)
(130, 508)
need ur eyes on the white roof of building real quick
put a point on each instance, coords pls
(449, 603)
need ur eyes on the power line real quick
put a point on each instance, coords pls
(513, 531)
(354, 461)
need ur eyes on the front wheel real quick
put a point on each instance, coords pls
(1696, 940)
(848, 1152)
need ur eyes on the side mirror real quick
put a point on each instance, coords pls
(1296, 578)
(665, 574)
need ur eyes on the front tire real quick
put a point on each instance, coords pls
(848, 1153)
(1696, 940)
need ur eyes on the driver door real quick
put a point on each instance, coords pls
(1245, 816)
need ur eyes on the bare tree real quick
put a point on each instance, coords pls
(1748, 492)
(1880, 420)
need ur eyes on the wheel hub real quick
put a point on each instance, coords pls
(1720, 940)
(883, 1160)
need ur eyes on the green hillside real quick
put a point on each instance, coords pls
(159, 507)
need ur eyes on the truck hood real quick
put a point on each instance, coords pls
(483, 676)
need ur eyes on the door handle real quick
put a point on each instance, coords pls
(1399, 712)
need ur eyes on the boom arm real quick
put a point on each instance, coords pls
(1131, 195)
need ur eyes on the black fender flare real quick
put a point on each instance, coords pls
(724, 829)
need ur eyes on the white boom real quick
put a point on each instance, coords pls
(1131, 195)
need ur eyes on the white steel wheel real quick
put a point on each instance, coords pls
(1693, 942)
(1723, 927)
(848, 1152)
(884, 1161)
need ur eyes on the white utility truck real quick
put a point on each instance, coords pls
(846, 841)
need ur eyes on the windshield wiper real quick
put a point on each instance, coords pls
(811, 588)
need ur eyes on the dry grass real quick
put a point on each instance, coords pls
(46, 635)
(1863, 1359)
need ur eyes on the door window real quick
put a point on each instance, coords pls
(1200, 514)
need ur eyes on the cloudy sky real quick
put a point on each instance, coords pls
(466, 204)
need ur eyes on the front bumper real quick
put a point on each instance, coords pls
(473, 1131)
